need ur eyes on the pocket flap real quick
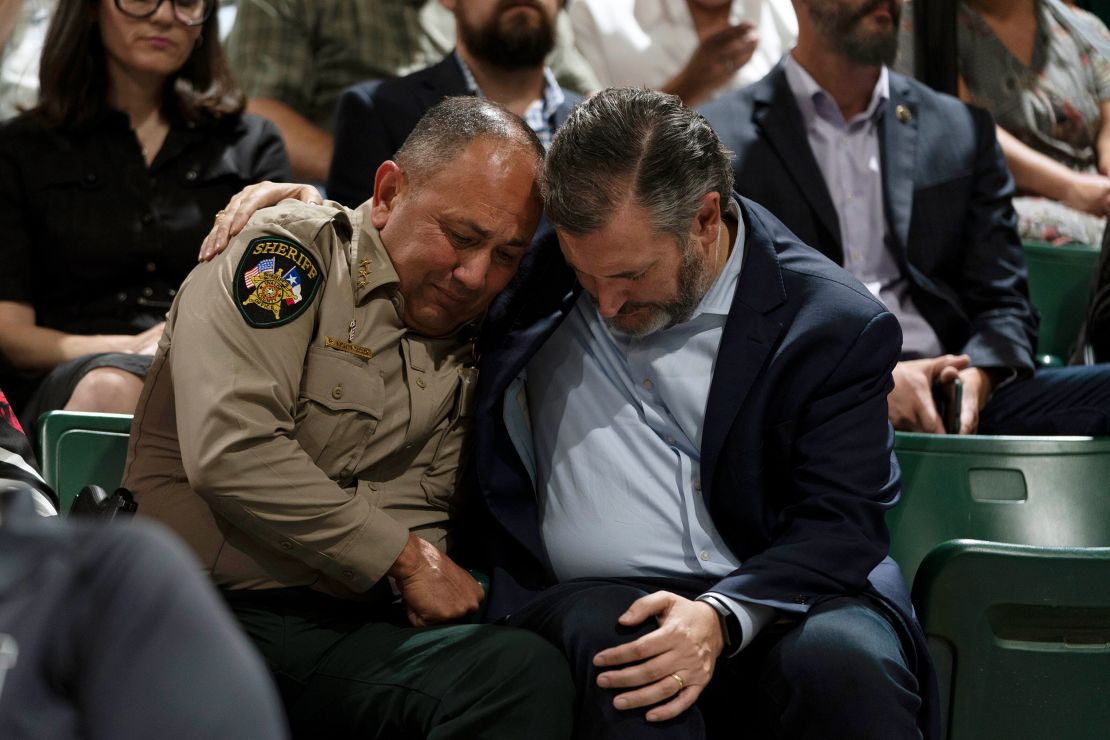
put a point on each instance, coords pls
(341, 381)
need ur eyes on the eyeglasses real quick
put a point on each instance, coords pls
(189, 12)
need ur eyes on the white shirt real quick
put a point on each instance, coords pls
(647, 42)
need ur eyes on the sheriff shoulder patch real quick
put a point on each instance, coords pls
(275, 281)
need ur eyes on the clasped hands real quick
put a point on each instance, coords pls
(668, 668)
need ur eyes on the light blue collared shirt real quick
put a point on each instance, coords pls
(847, 152)
(617, 430)
(540, 115)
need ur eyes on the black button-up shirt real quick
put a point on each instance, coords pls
(95, 240)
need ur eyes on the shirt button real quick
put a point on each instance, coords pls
(648, 384)
(121, 297)
(372, 486)
(800, 599)
(151, 267)
(337, 392)
(286, 545)
(148, 292)
(173, 291)
(348, 574)
(705, 554)
(191, 175)
(670, 440)
(420, 383)
(697, 484)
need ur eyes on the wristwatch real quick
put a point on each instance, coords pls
(730, 624)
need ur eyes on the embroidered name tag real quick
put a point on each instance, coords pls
(354, 349)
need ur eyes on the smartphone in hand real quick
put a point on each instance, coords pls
(949, 399)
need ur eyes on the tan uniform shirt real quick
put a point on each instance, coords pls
(300, 448)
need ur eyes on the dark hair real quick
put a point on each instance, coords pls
(450, 125)
(626, 139)
(73, 73)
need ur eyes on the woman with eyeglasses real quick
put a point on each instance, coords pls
(107, 188)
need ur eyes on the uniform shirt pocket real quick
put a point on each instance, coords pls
(341, 402)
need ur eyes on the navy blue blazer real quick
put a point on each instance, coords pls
(797, 467)
(947, 194)
(373, 119)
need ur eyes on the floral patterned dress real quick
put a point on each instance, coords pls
(1052, 105)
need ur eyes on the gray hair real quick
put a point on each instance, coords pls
(627, 140)
(452, 124)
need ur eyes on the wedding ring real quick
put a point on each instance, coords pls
(681, 683)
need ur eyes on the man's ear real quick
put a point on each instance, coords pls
(707, 222)
(389, 183)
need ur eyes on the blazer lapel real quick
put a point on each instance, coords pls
(749, 334)
(444, 79)
(899, 151)
(777, 116)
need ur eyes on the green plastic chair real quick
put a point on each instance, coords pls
(80, 449)
(1059, 285)
(1020, 637)
(1050, 491)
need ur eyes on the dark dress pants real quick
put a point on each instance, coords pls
(837, 672)
(347, 670)
(1054, 401)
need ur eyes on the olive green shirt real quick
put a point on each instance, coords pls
(301, 454)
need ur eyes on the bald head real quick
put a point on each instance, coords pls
(449, 127)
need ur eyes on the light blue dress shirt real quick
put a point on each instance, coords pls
(617, 429)
(847, 152)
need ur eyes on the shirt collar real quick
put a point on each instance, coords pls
(371, 267)
(815, 102)
(718, 299)
(551, 97)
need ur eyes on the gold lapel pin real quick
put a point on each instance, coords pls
(903, 114)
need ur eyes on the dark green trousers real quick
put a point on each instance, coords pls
(349, 670)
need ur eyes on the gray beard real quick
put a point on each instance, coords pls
(693, 284)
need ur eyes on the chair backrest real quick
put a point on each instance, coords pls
(1021, 639)
(1059, 285)
(80, 449)
(1051, 491)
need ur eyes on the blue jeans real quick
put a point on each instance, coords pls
(1054, 401)
(836, 672)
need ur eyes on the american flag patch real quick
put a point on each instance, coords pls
(266, 265)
